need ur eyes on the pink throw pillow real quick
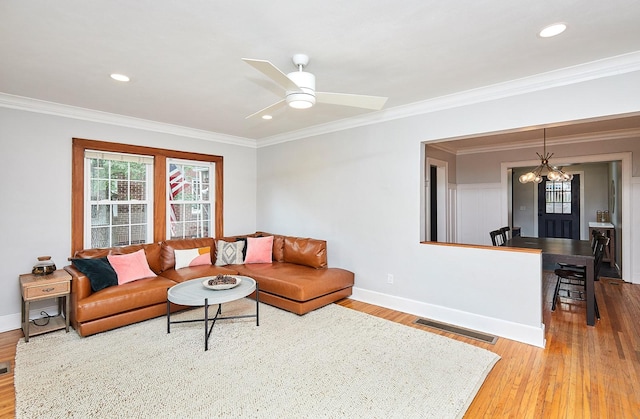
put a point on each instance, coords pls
(259, 250)
(131, 266)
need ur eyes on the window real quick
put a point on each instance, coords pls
(189, 199)
(558, 197)
(121, 195)
(119, 189)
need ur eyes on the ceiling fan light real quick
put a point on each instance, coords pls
(305, 97)
(301, 100)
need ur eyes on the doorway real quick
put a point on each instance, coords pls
(433, 203)
(559, 208)
(437, 204)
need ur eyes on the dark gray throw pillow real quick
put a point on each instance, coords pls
(99, 271)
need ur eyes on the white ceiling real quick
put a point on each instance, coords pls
(184, 57)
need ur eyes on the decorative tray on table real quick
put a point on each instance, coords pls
(221, 282)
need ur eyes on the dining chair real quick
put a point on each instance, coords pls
(505, 233)
(594, 239)
(575, 280)
(497, 239)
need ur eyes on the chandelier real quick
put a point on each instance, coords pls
(553, 173)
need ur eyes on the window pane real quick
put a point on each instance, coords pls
(557, 208)
(99, 190)
(100, 237)
(138, 234)
(191, 229)
(176, 212)
(119, 169)
(138, 213)
(120, 215)
(120, 191)
(137, 191)
(120, 236)
(138, 171)
(100, 215)
(99, 168)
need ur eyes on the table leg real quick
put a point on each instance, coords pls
(257, 305)
(25, 321)
(591, 299)
(66, 311)
(168, 316)
(206, 324)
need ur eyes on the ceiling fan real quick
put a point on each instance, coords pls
(300, 89)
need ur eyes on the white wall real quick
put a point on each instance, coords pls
(35, 203)
(360, 190)
(479, 211)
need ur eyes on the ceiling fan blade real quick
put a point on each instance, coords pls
(346, 99)
(268, 110)
(273, 72)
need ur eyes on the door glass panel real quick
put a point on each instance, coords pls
(558, 197)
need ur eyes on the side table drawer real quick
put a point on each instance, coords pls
(46, 289)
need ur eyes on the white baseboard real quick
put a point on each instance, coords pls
(509, 330)
(10, 322)
(14, 321)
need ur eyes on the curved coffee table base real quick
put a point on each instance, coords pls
(175, 296)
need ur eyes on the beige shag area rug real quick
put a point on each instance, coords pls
(331, 363)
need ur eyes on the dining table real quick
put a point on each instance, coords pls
(555, 250)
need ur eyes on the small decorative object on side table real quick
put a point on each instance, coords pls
(42, 287)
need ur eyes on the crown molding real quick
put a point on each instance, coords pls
(612, 66)
(567, 139)
(67, 111)
(607, 67)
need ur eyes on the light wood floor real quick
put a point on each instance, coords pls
(584, 372)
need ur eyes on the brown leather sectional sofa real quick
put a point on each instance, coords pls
(297, 280)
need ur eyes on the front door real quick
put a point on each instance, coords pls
(559, 208)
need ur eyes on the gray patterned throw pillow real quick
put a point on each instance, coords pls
(229, 253)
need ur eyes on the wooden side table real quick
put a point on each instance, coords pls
(42, 287)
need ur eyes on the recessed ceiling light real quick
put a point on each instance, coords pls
(267, 117)
(119, 77)
(552, 30)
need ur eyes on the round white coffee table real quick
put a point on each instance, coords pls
(194, 293)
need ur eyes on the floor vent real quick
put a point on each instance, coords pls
(612, 281)
(458, 331)
(4, 368)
